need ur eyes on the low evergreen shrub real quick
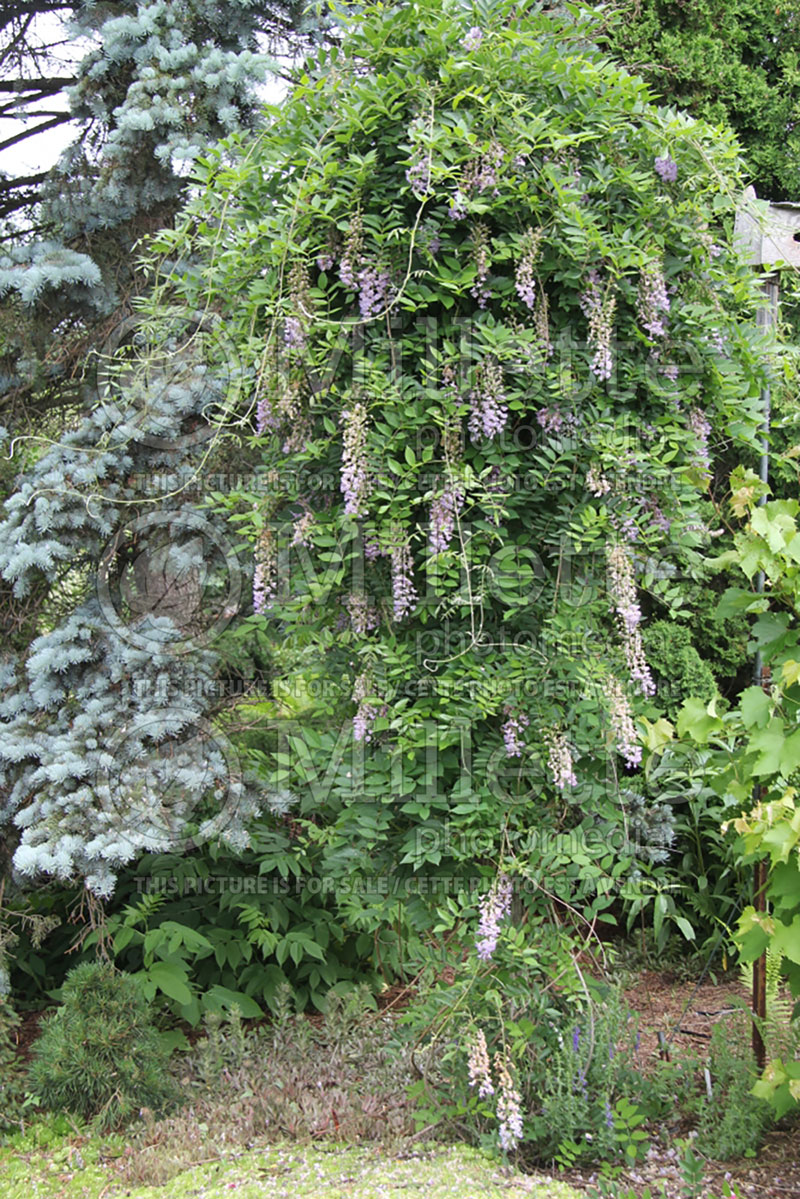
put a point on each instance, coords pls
(100, 1056)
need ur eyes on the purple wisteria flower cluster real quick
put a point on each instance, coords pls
(666, 168)
(700, 427)
(458, 206)
(265, 575)
(480, 289)
(559, 759)
(550, 419)
(481, 174)
(512, 733)
(716, 340)
(444, 510)
(495, 907)
(480, 1074)
(365, 715)
(622, 726)
(295, 325)
(596, 482)
(652, 303)
(354, 482)
(484, 172)
(266, 418)
(301, 530)
(404, 593)
(418, 176)
(369, 280)
(488, 411)
(418, 173)
(472, 38)
(280, 407)
(373, 549)
(363, 616)
(525, 279)
(509, 1100)
(350, 263)
(509, 1106)
(326, 260)
(657, 517)
(598, 303)
(373, 287)
(294, 335)
(622, 589)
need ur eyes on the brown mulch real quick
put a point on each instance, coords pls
(26, 1032)
(685, 1014)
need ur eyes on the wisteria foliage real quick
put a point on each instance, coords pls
(513, 258)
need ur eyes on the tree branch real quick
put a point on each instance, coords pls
(7, 185)
(44, 87)
(26, 133)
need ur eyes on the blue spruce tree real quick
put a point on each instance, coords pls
(115, 583)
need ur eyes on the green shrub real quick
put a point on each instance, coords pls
(11, 1091)
(100, 1055)
(732, 1121)
(680, 671)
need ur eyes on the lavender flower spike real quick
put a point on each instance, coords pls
(495, 906)
(354, 483)
(404, 593)
(667, 168)
(478, 1066)
(472, 38)
(509, 1107)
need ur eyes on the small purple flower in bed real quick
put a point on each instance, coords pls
(667, 168)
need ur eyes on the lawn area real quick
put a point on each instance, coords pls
(88, 1170)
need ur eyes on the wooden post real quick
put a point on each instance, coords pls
(766, 233)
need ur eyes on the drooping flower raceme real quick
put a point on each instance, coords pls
(509, 1106)
(350, 263)
(666, 168)
(365, 713)
(559, 759)
(354, 483)
(373, 286)
(458, 206)
(404, 593)
(541, 323)
(512, 733)
(701, 428)
(480, 289)
(265, 576)
(488, 411)
(363, 617)
(294, 329)
(301, 530)
(472, 38)
(495, 907)
(598, 304)
(652, 302)
(444, 510)
(525, 281)
(622, 725)
(622, 589)
(596, 482)
(418, 173)
(480, 1074)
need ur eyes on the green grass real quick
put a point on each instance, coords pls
(77, 1168)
